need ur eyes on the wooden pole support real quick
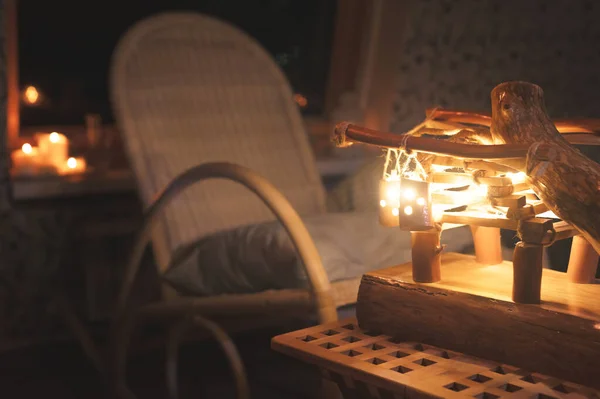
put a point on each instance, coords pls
(426, 255)
(527, 273)
(488, 247)
(583, 261)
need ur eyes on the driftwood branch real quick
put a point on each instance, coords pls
(347, 134)
(511, 156)
(568, 126)
(564, 178)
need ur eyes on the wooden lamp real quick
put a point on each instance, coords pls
(517, 170)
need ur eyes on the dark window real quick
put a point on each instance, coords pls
(65, 47)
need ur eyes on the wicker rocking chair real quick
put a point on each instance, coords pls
(216, 143)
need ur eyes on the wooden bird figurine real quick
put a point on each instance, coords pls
(563, 177)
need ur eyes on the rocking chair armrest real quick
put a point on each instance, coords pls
(270, 195)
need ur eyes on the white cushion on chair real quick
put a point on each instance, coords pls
(258, 257)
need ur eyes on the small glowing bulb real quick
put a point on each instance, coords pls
(409, 194)
(395, 212)
(421, 201)
(382, 203)
(518, 177)
(27, 148)
(71, 163)
(54, 137)
(408, 210)
(393, 193)
(300, 100)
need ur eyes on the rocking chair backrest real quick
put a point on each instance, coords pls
(189, 89)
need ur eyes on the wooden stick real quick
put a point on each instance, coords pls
(579, 125)
(488, 247)
(527, 273)
(346, 134)
(583, 262)
(426, 255)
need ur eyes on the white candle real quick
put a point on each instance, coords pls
(74, 165)
(26, 160)
(53, 148)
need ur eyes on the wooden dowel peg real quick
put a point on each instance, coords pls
(426, 255)
(488, 246)
(583, 261)
(527, 273)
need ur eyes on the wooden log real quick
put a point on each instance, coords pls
(470, 310)
(527, 273)
(563, 177)
(426, 255)
(583, 261)
(488, 247)
(569, 126)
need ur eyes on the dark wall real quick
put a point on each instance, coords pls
(456, 51)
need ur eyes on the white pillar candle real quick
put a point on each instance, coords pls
(53, 148)
(26, 161)
(74, 165)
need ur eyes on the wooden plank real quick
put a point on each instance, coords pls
(470, 310)
(511, 201)
(479, 219)
(527, 212)
(368, 364)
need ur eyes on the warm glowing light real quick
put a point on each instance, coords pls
(382, 203)
(408, 210)
(54, 137)
(71, 163)
(516, 178)
(300, 100)
(481, 189)
(31, 95)
(395, 212)
(421, 201)
(393, 193)
(27, 148)
(409, 194)
(437, 212)
(439, 168)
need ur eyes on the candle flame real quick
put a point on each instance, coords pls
(71, 163)
(27, 148)
(31, 95)
(54, 137)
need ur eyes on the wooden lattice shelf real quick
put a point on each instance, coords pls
(370, 365)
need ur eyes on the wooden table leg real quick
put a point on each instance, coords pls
(527, 273)
(426, 255)
(488, 247)
(583, 261)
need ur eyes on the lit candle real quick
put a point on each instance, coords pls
(74, 165)
(53, 148)
(26, 160)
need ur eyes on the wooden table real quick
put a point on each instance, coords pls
(369, 365)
